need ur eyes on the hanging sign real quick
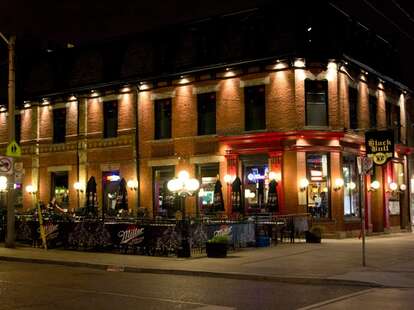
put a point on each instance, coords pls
(379, 146)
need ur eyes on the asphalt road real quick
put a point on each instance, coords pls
(36, 286)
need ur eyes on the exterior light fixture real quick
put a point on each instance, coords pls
(132, 185)
(403, 187)
(299, 63)
(393, 186)
(351, 185)
(277, 176)
(374, 186)
(78, 186)
(3, 109)
(72, 98)
(303, 184)
(31, 189)
(309, 29)
(3, 183)
(45, 101)
(27, 104)
(183, 185)
(339, 183)
(228, 178)
(125, 89)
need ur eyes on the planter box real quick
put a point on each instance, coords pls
(312, 238)
(217, 250)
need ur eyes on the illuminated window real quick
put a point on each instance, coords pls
(162, 119)
(163, 199)
(353, 107)
(351, 185)
(60, 188)
(206, 108)
(316, 103)
(254, 100)
(207, 174)
(317, 169)
(110, 119)
(59, 125)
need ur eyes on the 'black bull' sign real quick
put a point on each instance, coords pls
(380, 146)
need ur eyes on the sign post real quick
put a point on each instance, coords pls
(379, 147)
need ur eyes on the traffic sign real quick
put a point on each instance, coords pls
(6, 165)
(13, 149)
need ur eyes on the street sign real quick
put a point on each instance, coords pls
(18, 166)
(13, 149)
(6, 165)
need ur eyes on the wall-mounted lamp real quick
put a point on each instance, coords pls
(229, 178)
(3, 183)
(403, 187)
(303, 184)
(277, 176)
(393, 187)
(339, 183)
(132, 185)
(31, 189)
(374, 186)
(351, 186)
(78, 186)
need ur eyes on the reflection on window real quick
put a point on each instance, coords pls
(256, 186)
(351, 185)
(207, 175)
(164, 205)
(60, 188)
(318, 190)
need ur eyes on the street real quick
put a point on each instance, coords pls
(35, 286)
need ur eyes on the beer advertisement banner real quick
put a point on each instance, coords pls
(380, 146)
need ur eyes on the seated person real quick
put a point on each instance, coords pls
(54, 207)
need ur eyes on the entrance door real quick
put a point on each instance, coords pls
(110, 188)
(255, 181)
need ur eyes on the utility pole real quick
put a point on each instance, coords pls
(10, 235)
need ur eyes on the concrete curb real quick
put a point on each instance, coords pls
(198, 273)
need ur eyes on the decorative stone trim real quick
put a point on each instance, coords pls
(59, 168)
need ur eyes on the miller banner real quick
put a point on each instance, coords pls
(380, 145)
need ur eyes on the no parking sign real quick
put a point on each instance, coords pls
(6, 165)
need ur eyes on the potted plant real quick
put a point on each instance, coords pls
(314, 235)
(217, 246)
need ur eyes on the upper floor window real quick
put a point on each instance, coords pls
(316, 97)
(353, 107)
(110, 119)
(372, 111)
(59, 125)
(255, 107)
(206, 111)
(162, 119)
(17, 127)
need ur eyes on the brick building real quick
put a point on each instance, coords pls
(298, 117)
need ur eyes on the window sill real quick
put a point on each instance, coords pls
(255, 131)
(317, 128)
(352, 219)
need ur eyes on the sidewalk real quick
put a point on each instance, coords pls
(390, 262)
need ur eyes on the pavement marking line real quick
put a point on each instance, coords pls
(175, 301)
(333, 300)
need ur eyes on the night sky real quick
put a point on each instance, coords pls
(46, 23)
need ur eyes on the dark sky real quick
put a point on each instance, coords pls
(44, 22)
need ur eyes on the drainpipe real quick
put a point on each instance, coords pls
(137, 150)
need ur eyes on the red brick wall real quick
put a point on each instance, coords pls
(126, 110)
(230, 107)
(280, 101)
(184, 112)
(72, 118)
(45, 123)
(3, 127)
(381, 116)
(27, 118)
(363, 106)
(95, 118)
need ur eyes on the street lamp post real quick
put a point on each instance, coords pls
(183, 186)
(10, 236)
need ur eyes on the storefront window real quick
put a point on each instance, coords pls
(351, 186)
(163, 199)
(398, 173)
(60, 188)
(317, 169)
(207, 174)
